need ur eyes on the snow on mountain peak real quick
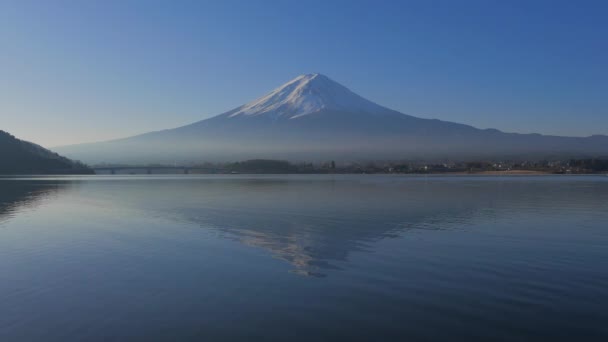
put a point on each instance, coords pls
(306, 94)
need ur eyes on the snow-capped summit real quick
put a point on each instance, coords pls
(312, 118)
(306, 94)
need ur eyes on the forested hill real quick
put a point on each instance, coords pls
(22, 157)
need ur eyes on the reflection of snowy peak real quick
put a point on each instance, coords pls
(306, 94)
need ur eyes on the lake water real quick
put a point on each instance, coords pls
(304, 258)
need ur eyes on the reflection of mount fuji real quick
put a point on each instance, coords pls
(315, 225)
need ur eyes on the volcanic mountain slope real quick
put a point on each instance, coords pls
(22, 157)
(315, 118)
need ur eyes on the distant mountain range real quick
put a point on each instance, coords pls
(22, 157)
(314, 118)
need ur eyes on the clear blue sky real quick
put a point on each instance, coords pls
(78, 71)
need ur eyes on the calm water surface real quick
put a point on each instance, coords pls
(310, 258)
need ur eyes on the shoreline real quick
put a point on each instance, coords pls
(441, 174)
(509, 172)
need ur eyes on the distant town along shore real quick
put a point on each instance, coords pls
(269, 166)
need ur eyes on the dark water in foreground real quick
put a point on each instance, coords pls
(309, 258)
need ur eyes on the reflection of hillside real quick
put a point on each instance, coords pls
(19, 195)
(315, 225)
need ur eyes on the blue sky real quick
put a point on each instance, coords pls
(79, 71)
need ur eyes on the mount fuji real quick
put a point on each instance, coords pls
(315, 118)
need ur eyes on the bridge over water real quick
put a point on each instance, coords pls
(155, 169)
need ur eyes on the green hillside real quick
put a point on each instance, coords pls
(22, 157)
